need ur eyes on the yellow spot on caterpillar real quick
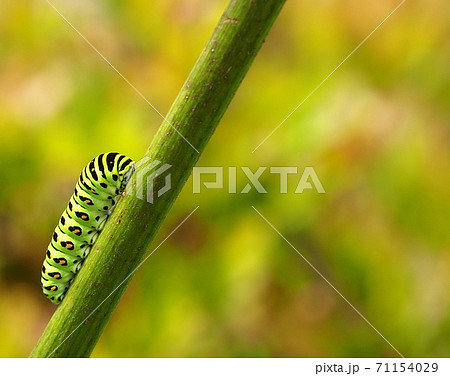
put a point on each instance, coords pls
(63, 262)
(57, 276)
(53, 288)
(84, 216)
(77, 231)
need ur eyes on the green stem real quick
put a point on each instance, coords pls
(129, 232)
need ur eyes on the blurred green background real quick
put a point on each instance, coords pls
(226, 284)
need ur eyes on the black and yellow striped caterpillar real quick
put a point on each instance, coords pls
(94, 198)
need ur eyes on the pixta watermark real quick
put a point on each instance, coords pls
(308, 179)
(233, 179)
(146, 172)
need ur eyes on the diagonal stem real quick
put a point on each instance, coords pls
(195, 113)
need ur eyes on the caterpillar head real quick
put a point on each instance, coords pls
(125, 175)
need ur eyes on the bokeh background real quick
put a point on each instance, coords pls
(226, 284)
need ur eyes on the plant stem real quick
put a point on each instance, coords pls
(130, 230)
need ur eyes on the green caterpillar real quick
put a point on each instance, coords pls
(94, 198)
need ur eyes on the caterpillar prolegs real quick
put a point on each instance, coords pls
(94, 198)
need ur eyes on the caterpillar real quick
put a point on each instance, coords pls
(101, 182)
